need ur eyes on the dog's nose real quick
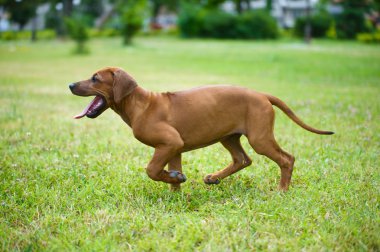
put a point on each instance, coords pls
(72, 86)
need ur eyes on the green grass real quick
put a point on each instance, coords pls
(81, 185)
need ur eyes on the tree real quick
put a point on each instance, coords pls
(132, 15)
(89, 9)
(21, 12)
(268, 5)
(55, 17)
(352, 20)
(78, 32)
(307, 31)
(242, 5)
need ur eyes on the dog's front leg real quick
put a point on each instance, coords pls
(175, 164)
(161, 157)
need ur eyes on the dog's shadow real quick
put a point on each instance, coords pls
(196, 196)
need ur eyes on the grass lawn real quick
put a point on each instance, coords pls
(81, 185)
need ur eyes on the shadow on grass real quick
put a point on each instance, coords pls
(195, 196)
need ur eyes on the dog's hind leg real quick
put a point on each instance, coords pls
(262, 140)
(285, 161)
(240, 160)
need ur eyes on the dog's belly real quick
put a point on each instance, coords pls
(208, 115)
(196, 134)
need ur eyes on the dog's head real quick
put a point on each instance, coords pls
(109, 86)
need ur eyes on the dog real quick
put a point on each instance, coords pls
(176, 122)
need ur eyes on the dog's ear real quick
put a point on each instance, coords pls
(123, 85)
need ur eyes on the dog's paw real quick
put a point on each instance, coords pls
(176, 174)
(210, 181)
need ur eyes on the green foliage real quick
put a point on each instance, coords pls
(218, 24)
(90, 10)
(21, 11)
(107, 32)
(53, 19)
(77, 31)
(190, 20)
(369, 37)
(132, 17)
(9, 35)
(331, 32)
(25, 35)
(320, 24)
(46, 34)
(87, 10)
(350, 22)
(50, 34)
(80, 185)
(195, 21)
(257, 25)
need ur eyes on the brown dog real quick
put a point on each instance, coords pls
(176, 122)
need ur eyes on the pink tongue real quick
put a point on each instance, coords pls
(94, 103)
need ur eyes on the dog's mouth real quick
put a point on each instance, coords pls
(94, 109)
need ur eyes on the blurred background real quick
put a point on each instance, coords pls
(80, 185)
(83, 20)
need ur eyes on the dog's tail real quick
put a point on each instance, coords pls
(281, 105)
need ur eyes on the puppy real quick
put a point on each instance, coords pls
(176, 122)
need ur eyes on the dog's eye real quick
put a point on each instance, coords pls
(93, 79)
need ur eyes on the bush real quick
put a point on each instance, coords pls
(320, 24)
(197, 22)
(257, 25)
(8, 35)
(25, 35)
(349, 23)
(46, 34)
(107, 32)
(190, 20)
(131, 21)
(218, 24)
(78, 32)
(369, 37)
(331, 32)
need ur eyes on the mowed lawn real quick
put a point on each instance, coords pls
(70, 184)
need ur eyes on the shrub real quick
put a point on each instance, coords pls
(331, 32)
(131, 21)
(190, 20)
(197, 22)
(78, 32)
(24, 35)
(257, 25)
(107, 32)
(320, 24)
(369, 37)
(46, 34)
(8, 35)
(349, 23)
(218, 24)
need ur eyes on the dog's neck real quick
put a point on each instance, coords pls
(133, 105)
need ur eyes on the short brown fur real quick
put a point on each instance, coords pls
(174, 123)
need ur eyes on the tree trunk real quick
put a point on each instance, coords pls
(238, 6)
(67, 7)
(33, 37)
(248, 3)
(308, 29)
(155, 11)
(269, 5)
(104, 18)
